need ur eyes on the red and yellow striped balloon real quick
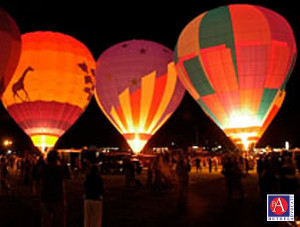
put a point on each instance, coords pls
(10, 48)
(137, 88)
(51, 87)
(235, 61)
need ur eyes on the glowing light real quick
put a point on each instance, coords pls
(44, 141)
(137, 144)
(243, 120)
(244, 138)
(7, 143)
(287, 145)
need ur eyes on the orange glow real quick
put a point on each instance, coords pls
(51, 87)
(242, 120)
(136, 144)
(44, 141)
(244, 137)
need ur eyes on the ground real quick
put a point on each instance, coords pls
(208, 204)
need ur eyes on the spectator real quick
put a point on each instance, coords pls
(198, 165)
(93, 205)
(53, 199)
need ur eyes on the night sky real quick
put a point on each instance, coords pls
(101, 24)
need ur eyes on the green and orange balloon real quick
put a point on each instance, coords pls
(235, 61)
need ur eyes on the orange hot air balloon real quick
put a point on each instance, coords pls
(235, 61)
(52, 86)
(10, 48)
(137, 89)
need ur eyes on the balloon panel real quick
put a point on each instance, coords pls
(10, 46)
(52, 85)
(235, 62)
(137, 88)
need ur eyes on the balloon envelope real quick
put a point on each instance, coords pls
(52, 85)
(10, 49)
(235, 61)
(137, 88)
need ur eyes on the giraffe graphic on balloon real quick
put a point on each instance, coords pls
(19, 86)
(88, 79)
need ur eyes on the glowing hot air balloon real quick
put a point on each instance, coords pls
(235, 61)
(10, 49)
(51, 87)
(137, 88)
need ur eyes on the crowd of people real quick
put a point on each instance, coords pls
(276, 174)
(47, 177)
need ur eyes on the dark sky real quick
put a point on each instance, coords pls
(100, 24)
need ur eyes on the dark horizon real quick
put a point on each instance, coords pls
(101, 27)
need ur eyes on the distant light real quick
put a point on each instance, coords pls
(172, 143)
(195, 147)
(7, 142)
(219, 146)
(287, 145)
(9, 152)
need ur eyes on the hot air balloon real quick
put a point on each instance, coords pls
(235, 61)
(52, 86)
(10, 48)
(137, 88)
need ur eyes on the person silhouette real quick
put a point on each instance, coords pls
(53, 200)
(94, 191)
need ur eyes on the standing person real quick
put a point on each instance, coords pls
(233, 176)
(3, 176)
(129, 172)
(210, 164)
(27, 169)
(53, 200)
(288, 179)
(93, 205)
(247, 165)
(36, 175)
(150, 175)
(198, 165)
(182, 171)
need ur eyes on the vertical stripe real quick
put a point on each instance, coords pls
(220, 68)
(184, 77)
(216, 29)
(250, 100)
(274, 110)
(266, 102)
(279, 65)
(167, 95)
(124, 98)
(188, 41)
(135, 100)
(147, 87)
(160, 85)
(215, 106)
(119, 124)
(230, 101)
(289, 72)
(249, 24)
(198, 77)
